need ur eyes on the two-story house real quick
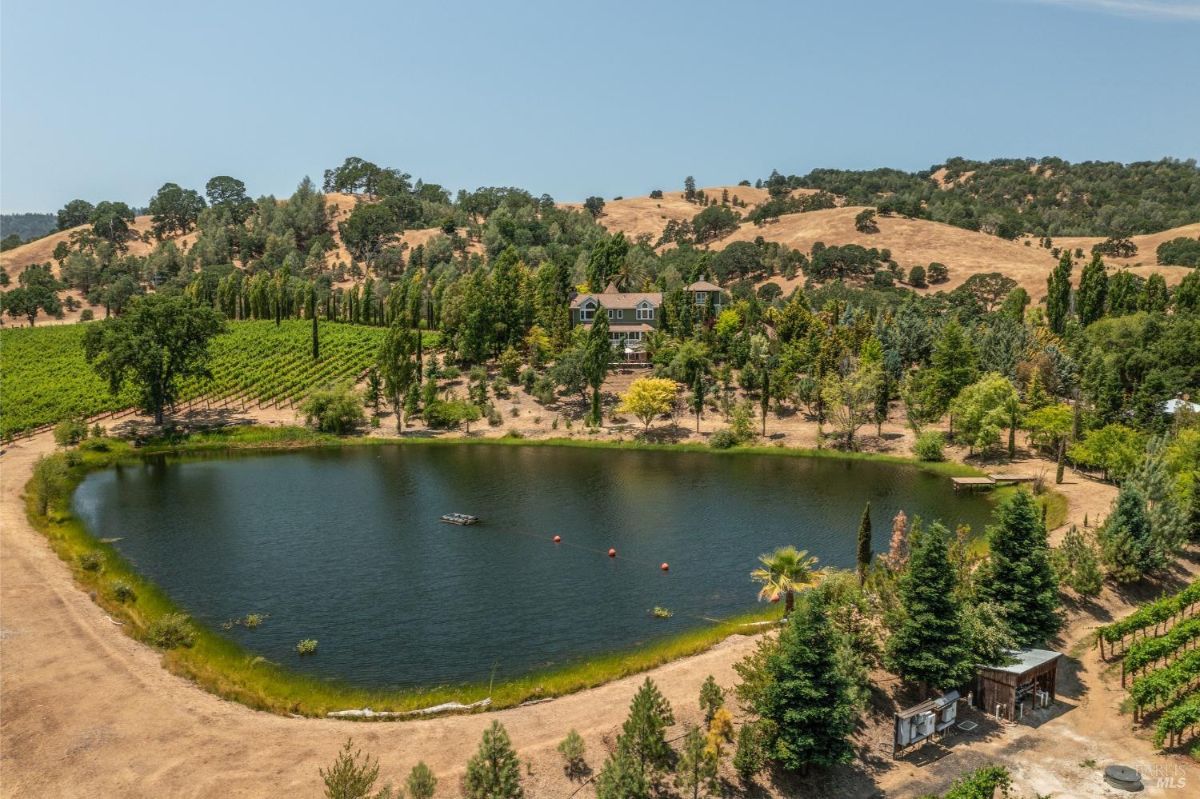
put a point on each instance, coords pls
(631, 316)
(702, 292)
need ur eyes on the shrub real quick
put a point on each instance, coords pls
(1181, 251)
(500, 388)
(123, 592)
(510, 364)
(450, 372)
(352, 776)
(938, 273)
(91, 562)
(916, 277)
(723, 439)
(50, 481)
(544, 390)
(307, 646)
(70, 432)
(170, 631)
(656, 194)
(528, 378)
(252, 620)
(883, 279)
(421, 782)
(929, 446)
(338, 411)
(751, 754)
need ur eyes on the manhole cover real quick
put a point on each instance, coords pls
(1123, 777)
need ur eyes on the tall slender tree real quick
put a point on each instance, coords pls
(397, 367)
(1093, 291)
(864, 544)
(1058, 294)
(597, 357)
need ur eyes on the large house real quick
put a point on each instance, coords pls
(633, 315)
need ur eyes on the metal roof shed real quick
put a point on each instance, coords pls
(1010, 691)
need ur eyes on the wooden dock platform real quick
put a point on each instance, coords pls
(988, 481)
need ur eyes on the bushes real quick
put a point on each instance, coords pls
(929, 446)
(916, 277)
(50, 481)
(170, 631)
(123, 592)
(723, 439)
(1180, 251)
(938, 273)
(91, 562)
(69, 432)
(338, 411)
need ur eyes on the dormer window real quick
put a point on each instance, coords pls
(645, 311)
(701, 297)
(587, 311)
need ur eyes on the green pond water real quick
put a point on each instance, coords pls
(345, 546)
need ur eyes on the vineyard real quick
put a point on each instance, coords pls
(47, 379)
(1157, 645)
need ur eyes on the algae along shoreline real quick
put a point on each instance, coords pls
(221, 664)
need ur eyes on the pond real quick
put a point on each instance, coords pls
(345, 546)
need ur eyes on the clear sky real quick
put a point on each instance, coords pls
(105, 100)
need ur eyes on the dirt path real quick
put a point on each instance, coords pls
(86, 711)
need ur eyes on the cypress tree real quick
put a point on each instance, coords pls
(1018, 575)
(807, 699)
(1093, 291)
(1058, 294)
(1125, 545)
(864, 544)
(494, 772)
(929, 645)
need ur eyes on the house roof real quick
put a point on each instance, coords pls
(641, 327)
(620, 299)
(1025, 659)
(1173, 405)
(703, 285)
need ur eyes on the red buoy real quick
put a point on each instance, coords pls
(775, 598)
(558, 539)
(666, 567)
(612, 553)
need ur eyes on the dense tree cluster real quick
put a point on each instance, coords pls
(1011, 196)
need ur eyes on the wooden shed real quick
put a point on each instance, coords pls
(1011, 691)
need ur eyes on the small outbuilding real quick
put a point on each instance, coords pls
(1009, 692)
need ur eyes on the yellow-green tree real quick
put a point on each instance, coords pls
(649, 398)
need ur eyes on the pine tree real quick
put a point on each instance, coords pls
(954, 364)
(621, 778)
(711, 698)
(352, 776)
(750, 755)
(1058, 294)
(1125, 545)
(806, 699)
(643, 733)
(494, 772)
(421, 782)
(1017, 575)
(928, 647)
(1077, 564)
(864, 544)
(573, 752)
(696, 773)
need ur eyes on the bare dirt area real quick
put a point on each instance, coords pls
(87, 711)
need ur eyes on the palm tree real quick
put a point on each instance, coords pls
(785, 571)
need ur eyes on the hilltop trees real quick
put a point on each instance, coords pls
(174, 209)
(112, 221)
(159, 342)
(229, 195)
(74, 214)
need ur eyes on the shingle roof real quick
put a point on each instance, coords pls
(621, 299)
(703, 285)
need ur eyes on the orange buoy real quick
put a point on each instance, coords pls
(666, 567)
(558, 539)
(775, 598)
(612, 553)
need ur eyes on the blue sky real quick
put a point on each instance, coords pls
(106, 100)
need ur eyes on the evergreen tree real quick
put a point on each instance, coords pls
(597, 354)
(421, 782)
(1168, 520)
(953, 364)
(864, 544)
(928, 646)
(352, 776)
(696, 773)
(1126, 548)
(1093, 291)
(1077, 564)
(621, 778)
(750, 755)
(1017, 575)
(494, 772)
(806, 699)
(711, 698)
(1058, 294)
(643, 733)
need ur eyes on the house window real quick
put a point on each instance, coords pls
(701, 297)
(645, 312)
(634, 335)
(616, 313)
(586, 312)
